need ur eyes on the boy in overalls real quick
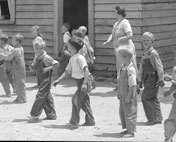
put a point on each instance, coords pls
(127, 93)
(151, 76)
(18, 67)
(8, 64)
(3, 74)
(44, 100)
(78, 69)
(170, 122)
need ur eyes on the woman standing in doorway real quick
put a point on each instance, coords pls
(122, 37)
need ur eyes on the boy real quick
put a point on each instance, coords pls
(151, 76)
(6, 48)
(18, 67)
(78, 69)
(44, 100)
(3, 74)
(65, 56)
(127, 94)
(169, 123)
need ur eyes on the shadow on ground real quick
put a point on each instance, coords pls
(61, 127)
(112, 135)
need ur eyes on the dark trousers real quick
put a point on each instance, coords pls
(44, 100)
(81, 100)
(151, 103)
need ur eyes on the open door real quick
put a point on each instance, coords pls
(75, 12)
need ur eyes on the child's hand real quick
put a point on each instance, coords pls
(84, 88)
(118, 96)
(55, 82)
(161, 83)
(127, 99)
(167, 78)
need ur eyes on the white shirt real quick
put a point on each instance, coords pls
(76, 66)
(131, 74)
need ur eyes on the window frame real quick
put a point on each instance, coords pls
(12, 13)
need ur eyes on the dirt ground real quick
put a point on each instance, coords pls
(14, 124)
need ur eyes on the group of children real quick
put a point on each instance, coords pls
(78, 56)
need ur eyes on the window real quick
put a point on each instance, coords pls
(7, 11)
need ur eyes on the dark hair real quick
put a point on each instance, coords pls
(120, 11)
(77, 43)
(78, 33)
(67, 25)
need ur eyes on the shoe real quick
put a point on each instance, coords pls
(19, 102)
(86, 124)
(124, 132)
(8, 95)
(128, 135)
(50, 118)
(33, 118)
(150, 122)
(168, 140)
(154, 122)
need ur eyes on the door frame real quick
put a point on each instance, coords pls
(58, 22)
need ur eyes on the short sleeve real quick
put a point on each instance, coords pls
(82, 62)
(127, 27)
(132, 77)
(49, 61)
(66, 38)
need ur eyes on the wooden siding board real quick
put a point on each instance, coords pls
(117, 1)
(111, 7)
(159, 6)
(36, 15)
(34, 2)
(27, 8)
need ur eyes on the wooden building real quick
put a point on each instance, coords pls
(157, 16)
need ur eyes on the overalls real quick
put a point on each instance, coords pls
(20, 76)
(81, 100)
(127, 111)
(150, 101)
(4, 78)
(44, 99)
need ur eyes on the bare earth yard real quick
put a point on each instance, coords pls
(14, 124)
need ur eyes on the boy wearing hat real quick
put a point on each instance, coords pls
(78, 69)
(127, 93)
(17, 58)
(151, 76)
(5, 48)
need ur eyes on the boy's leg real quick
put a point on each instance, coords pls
(148, 102)
(122, 114)
(169, 124)
(4, 80)
(75, 117)
(49, 108)
(20, 90)
(11, 79)
(89, 119)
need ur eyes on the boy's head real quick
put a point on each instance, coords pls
(74, 45)
(78, 34)
(3, 39)
(36, 31)
(40, 46)
(126, 55)
(17, 39)
(83, 29)
(147, 40)
(65, 27)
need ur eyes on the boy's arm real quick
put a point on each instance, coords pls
(62, 77)
(159, 66)
(9, 56)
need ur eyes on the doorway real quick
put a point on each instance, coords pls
(75, 12)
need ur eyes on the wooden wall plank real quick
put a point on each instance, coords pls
(37, 15)
(117, 1)
(37, 8)
(34, 2)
